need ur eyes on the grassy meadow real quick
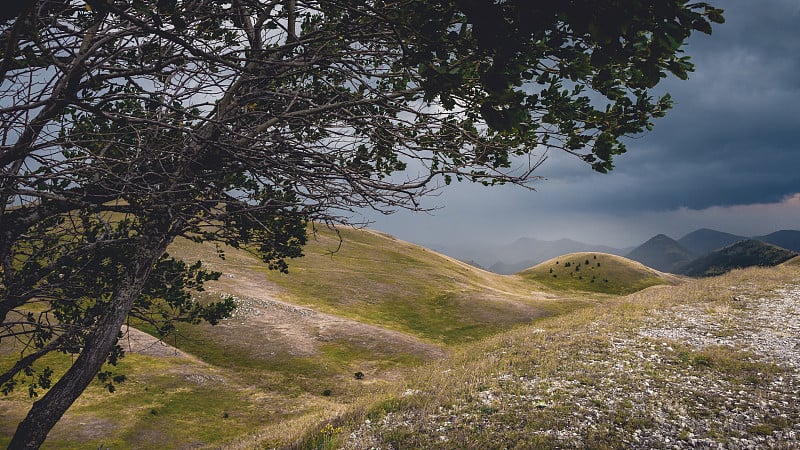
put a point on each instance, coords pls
(370, 329)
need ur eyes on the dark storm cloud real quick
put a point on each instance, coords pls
(732, 137)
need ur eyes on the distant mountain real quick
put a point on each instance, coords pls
(507, 269)
(661, 252)
(741, 254)
(788, 239)
(704, 240)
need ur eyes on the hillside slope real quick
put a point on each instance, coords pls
(349, 320)
(344, 328)
(594, 272)
(527, 252)
(378, 280)
(708, 364)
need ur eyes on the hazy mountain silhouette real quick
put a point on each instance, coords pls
(704, 240)
(661, 252)
(788, 239)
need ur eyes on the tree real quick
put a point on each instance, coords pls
(129, 123)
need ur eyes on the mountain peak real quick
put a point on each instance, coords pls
(661, 252)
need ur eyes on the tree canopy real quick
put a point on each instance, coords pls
(128, 123)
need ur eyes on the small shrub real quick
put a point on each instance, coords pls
(359, 375)
(327, 392)
(694, 359)
(762, 429)
(326, 439)
(702, 361)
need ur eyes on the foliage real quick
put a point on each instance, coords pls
(127, 124)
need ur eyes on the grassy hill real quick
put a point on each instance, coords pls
(794, 262)
(347, 323)
(742, 254)
(378, 280)
(527, 252)
(594, 272)
(337, 337)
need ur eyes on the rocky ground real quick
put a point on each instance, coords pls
(709, 375)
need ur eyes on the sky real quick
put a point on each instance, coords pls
(726, 157)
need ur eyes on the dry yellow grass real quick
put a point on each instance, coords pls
(591, 379)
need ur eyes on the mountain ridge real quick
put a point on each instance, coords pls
(705, 240)
(526, 252)
(747, 253)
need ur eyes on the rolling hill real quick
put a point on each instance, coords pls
(376, 279)
(522, 253)
(662, 253)
(349, 320)
(345, 327)
(595, 272)
(339, 338)
(739, 255)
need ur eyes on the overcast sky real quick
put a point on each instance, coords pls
(727, 156)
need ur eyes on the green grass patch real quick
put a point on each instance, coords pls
(164, 402)
(376, 279)
(593, 272)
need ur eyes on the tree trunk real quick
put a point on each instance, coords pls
(47, 411)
